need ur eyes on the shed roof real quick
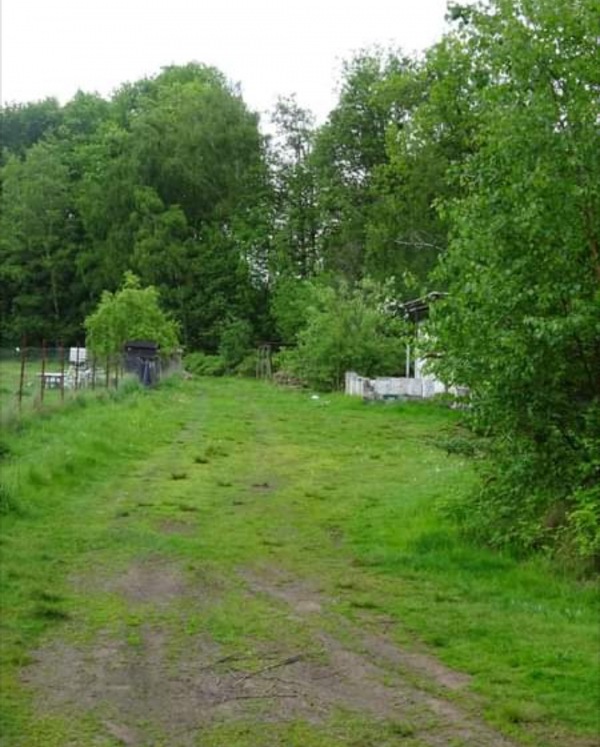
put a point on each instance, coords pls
(141, 345)
(418, 308)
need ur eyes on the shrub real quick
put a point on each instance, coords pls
(236, 343)
(202, 364)
(347, 329)
(247, 366)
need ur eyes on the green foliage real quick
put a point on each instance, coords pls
(521, 326)
(296, 246)
(433, 130)
(203, 364)
(236, 342)
(167, 178)
(248, 365)
(347, 151)
(23, 125)
(347, 329)
(132, 313)
(37, 244)
(290, 303)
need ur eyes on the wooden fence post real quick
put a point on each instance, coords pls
(62, 372)
(43, 376)
(77, 366)
(23, 352)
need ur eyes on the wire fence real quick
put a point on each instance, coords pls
(36, 377)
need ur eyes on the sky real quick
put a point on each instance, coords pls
(270, 47)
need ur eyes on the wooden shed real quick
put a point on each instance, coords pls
(142, 357)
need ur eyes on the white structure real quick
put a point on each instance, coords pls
(79, 374)
(418, 382)
(395, 387)
(77, 356)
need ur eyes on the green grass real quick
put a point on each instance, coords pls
(341, 494)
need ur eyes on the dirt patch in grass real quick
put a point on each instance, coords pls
(146, 686)
(305, 600)
(359, 669)
(141, 693)
(173, 526)
(150, 582)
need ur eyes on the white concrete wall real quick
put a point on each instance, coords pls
(400, 386)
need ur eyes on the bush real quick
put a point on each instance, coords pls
(202, 364)
(236, 343)
(347, 329)
(247, 366)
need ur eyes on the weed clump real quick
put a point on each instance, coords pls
(8, 500)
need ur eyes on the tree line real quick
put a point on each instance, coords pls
(473, 168)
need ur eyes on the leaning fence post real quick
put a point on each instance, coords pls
(77, 366)
(43, 375)
(62, 372)
(22, 376)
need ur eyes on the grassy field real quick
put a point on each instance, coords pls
(220, 562)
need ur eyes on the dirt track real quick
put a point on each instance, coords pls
(150, 692)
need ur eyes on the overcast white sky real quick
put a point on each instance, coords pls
(271, 47)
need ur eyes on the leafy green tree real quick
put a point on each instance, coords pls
(295, 204)
(432, 133)
(131, 313)
(347, 329)
(236, 343)
(197, 147)
(38, 245)
(348, 149)
(23, 125)
(521, 326)
(290, 301)
(174, 187)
